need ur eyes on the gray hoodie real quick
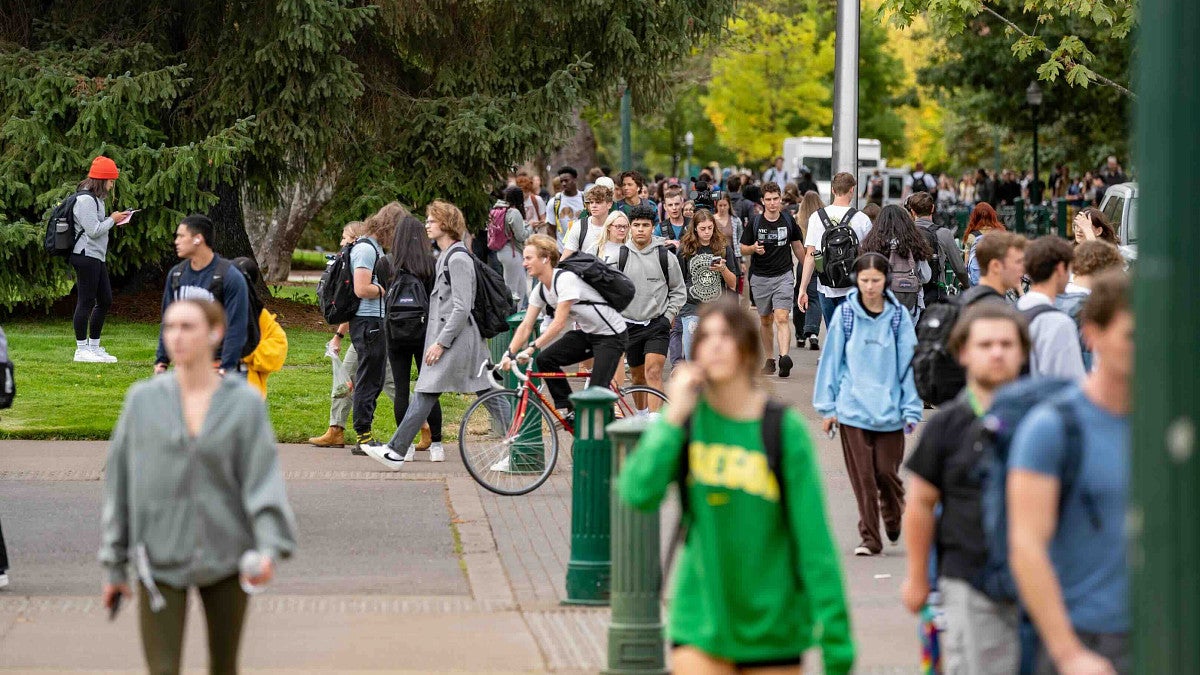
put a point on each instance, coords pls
(89, 217)
(655, 296)
(193, 505)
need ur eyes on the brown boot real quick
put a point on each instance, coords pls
(426, 438)
(335, 437)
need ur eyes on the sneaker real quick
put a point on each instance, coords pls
(105, 357)
(769, 367)
(86, 355)
(785, 365)
(814, 344)
(503, 466)
(411, 454)
(436, 452)
(862, 551)
(568, 415)
(363, 440)
(383, 453)
(3, 579)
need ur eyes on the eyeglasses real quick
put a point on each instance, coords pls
(621, 226)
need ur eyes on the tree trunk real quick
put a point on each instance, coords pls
(579, 151)
(275, 234)
(231, 239)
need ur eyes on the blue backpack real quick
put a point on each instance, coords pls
(1009, 407)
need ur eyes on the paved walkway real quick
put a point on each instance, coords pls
(420, 571)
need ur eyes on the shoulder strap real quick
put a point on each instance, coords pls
(847, 319)
(623, 257)
(666, 267)
(553, 283)
(772, 439)
(825, 219)
(449, 253)
(583, 228)
(848, 216)
(1038, 310)
(217, 285)
(1073, 463)
(176, 274)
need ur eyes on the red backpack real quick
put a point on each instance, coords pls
(498, 235)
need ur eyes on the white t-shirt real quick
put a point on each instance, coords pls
(571, 241)
(611, 253)
(557, 213)
(597, 319)
(861, 225)
(929, 181)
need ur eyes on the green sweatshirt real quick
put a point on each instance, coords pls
(749, 585)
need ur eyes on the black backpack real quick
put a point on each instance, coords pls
(772, 439)
(8, 383)
(493, 301)
(936, 372)
(611, 283)
(335, 290)
(407, 308)
(839, 250)
(217, 287)
(61, 232)
(935, 290)
(919, 184)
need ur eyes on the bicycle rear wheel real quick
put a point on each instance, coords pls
(631, 397)
(504, 453)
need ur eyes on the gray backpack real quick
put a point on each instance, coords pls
(905, 283)
(8, 386)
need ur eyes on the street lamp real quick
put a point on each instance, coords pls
(690, 140)
(1033, 96)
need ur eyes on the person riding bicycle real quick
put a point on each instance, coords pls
(599, 330)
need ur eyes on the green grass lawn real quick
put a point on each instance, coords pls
(296, 292)
(60, 399)
(308, 260)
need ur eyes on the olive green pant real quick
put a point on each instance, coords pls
(162, 631)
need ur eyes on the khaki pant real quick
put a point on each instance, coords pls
(162, 631)
(873, 462)
(981, 634)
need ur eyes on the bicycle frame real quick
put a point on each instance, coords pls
(528, 387)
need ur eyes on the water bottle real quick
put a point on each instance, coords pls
(250, 566)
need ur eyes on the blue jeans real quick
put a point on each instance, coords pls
(828, 307)
(689, 324)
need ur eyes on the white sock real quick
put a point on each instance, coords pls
(80, 344)
(93, 343)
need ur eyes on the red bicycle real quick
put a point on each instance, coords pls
(509, 438)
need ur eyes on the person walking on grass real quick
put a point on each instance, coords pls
(718, 434)
(204, 275)
(865, 389)
(192, 483)
(89, 258)
(453, 346)
(270, 353)
(770, 240)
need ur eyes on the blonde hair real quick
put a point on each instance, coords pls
(449, 217)
(547, 247)
(352, 228)
(382, 225)
(604, 239)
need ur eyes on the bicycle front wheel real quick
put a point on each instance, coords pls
(505, 449)
(639, 397)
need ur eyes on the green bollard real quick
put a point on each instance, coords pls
(635, 633)
(590, 568)
(1061, 207)
(1019, 216)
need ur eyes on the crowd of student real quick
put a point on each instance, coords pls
(1017, 493)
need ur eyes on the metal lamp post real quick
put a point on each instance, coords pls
(689, 139)
(1033, 96)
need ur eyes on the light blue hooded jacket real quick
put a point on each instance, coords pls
(867, 382)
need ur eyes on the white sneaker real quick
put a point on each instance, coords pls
(383, 454)
(411, 454)
(503, 466)
(437, 453)
(862, 551)
(86, 355)
(3, 579)
(105, 357)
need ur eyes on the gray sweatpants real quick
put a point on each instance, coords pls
(981, 634)
(339, 408)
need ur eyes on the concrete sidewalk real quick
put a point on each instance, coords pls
(421, 571)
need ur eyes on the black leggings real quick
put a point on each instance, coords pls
(95, 296)
(402, 356)
(577, 346)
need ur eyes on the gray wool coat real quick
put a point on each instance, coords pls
(451, 325)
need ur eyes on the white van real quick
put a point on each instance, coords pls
(816, 154)
(1120, 208)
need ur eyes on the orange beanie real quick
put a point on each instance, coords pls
(103, 168)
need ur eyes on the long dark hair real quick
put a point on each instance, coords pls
(894, 224)
(411, 250)
(1107, 232)
(690, 243)
(249, 269)
(96, 186)
(515, 198)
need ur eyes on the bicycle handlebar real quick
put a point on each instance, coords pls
(494, 367)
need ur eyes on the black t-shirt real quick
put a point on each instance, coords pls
(863, 303)
(776, 238)
(946, 458)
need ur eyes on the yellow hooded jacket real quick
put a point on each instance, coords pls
(269, 355)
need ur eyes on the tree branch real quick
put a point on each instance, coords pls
(1066, 61)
